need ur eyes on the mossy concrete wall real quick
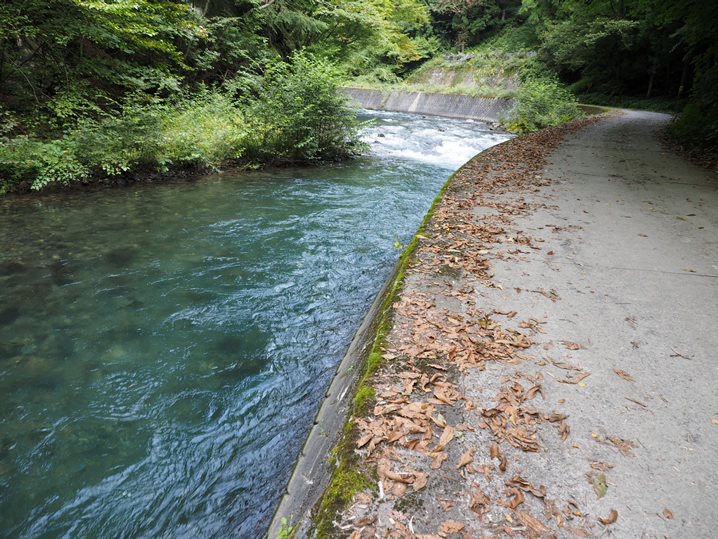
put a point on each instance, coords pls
(485, 109)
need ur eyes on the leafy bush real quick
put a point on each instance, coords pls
(297, 112)
(697, 129)
(22, 158)
(541, 103)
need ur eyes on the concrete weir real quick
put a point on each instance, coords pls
(485, 109)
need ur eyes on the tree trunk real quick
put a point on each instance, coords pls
(684, 77)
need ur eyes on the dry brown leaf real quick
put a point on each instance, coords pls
(575, 380)
(613, 517)
(384, 470)
(579, 377)
(420, 480)
(531, 393)
(668, 514)
(399, 490)
(521, 483)
(478, 498)
(439, 458)
(624, 375)
(446, 437)
(566, 366)
(356, 534)
(532, 522)
(563, 430)
(494, 451)
(503, 462)
(602, 466)
(624, 446)
(572, 345)
(450, 526)
(446, 505)
(466, 458)
(518, 499)
(364, 440)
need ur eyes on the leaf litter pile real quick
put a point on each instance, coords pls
(446, 465)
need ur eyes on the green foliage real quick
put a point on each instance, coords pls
(541, 103)
(696, 130)
(290, 112)
(22, 158)
(286, 530)
(297, 112)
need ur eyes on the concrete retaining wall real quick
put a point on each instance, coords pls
(485, 109)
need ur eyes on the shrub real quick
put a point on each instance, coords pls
(541, 103)
(297, 113)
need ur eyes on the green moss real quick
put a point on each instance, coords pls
(364, 399)
(349, 478)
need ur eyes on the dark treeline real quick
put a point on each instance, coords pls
(167, 83)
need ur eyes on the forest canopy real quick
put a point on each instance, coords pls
(69, 67)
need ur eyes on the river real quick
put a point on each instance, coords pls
(164, 348)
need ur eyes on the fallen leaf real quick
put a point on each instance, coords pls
(563, 430)
(624, 446)
(518, 499)
(521, 483)
(384, 469)
(668, 514)
(420, 480)
(566, 366)
(613, 517)
(466, 458)
(599, 485)
(438, 459)
(399, 490)
(602, 466)
(572, 345)
(575, 380)
(446, 437)
(450, 526)
(364, 440)
(579, 377)
(623, 375)
(532, 522)
(494, 451)
(478, 498)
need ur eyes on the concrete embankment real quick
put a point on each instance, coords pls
(485, 109)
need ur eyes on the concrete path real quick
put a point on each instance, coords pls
(631, 247)
(607, 424)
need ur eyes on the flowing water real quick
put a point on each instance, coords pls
(164, 348)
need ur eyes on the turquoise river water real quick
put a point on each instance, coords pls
(164, 348)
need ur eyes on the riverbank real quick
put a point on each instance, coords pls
(528, 367)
